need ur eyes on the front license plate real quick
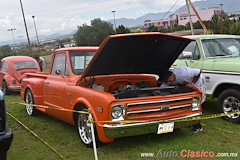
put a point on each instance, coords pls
(165, 127)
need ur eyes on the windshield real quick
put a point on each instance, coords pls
(221, 47)
(24, 64)
(80, 60)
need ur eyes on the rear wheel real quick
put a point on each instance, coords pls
(229, 101)
(84, 129)
(29, 102)
(5, 89)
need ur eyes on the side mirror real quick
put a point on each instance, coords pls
(187, 54)
(58, 72)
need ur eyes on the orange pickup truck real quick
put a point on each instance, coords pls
(117, 82)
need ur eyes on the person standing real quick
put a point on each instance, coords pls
(40, 61)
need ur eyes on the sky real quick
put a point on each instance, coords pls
(54, 16)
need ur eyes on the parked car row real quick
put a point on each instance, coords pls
(115, 81)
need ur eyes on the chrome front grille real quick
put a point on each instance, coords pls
(163, 109)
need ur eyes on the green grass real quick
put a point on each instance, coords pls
(64, 138)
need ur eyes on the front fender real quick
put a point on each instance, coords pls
(8, 79)
(93, 102)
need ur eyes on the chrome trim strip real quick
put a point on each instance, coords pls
(186, 105)
(159, 108)
(132, 110)
(143, 123)
(142, 111)
(170, 100)
(195, 114)
(221, 72)
(14, 87)
(159, 115)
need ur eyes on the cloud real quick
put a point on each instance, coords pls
(161, 5)
(53, 16)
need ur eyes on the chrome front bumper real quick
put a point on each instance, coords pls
(13, 88)
(133, 129)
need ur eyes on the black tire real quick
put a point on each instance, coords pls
(29, 99)
(228, 101)
(5, 89)
(3, 155)
(84, 128)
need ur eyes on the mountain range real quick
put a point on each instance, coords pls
(228, 6)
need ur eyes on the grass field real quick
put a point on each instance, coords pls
(218, 136)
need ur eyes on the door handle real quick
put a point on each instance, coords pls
(174, 64)
(46, 82)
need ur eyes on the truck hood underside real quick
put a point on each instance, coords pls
(149, 53)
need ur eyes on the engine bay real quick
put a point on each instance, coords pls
(134, 86)
(132, 91)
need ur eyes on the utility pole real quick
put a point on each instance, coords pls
(29, 44)
(13, 29)
(39, 50)
(114, 21)
(190, 19)
(201, 22)
(21, 38)
(221, 19)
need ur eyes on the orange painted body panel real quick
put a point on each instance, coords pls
(100, 93)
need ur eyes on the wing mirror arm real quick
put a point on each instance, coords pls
(58, 72)
(187, 55)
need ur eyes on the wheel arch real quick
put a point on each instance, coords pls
(25, 91)
(220, 88)
(78, 107)
(7, 78)
(100, 132)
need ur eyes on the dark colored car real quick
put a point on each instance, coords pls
(12, 71)
(6, 135)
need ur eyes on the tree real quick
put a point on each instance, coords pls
(226, 24)
(93, 35)
(178, 27)
(235, 28)
(152, 29)
(121, 30)
(60, 44)
(215, 23)
(138, 30)
(6, 51)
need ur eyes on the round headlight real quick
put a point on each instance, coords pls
(195, 102)
(117, 112)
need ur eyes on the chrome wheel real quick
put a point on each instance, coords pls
(29, 100)
(229, 101)
(84, 128)
(231, 104)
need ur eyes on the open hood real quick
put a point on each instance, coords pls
(147, 53)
